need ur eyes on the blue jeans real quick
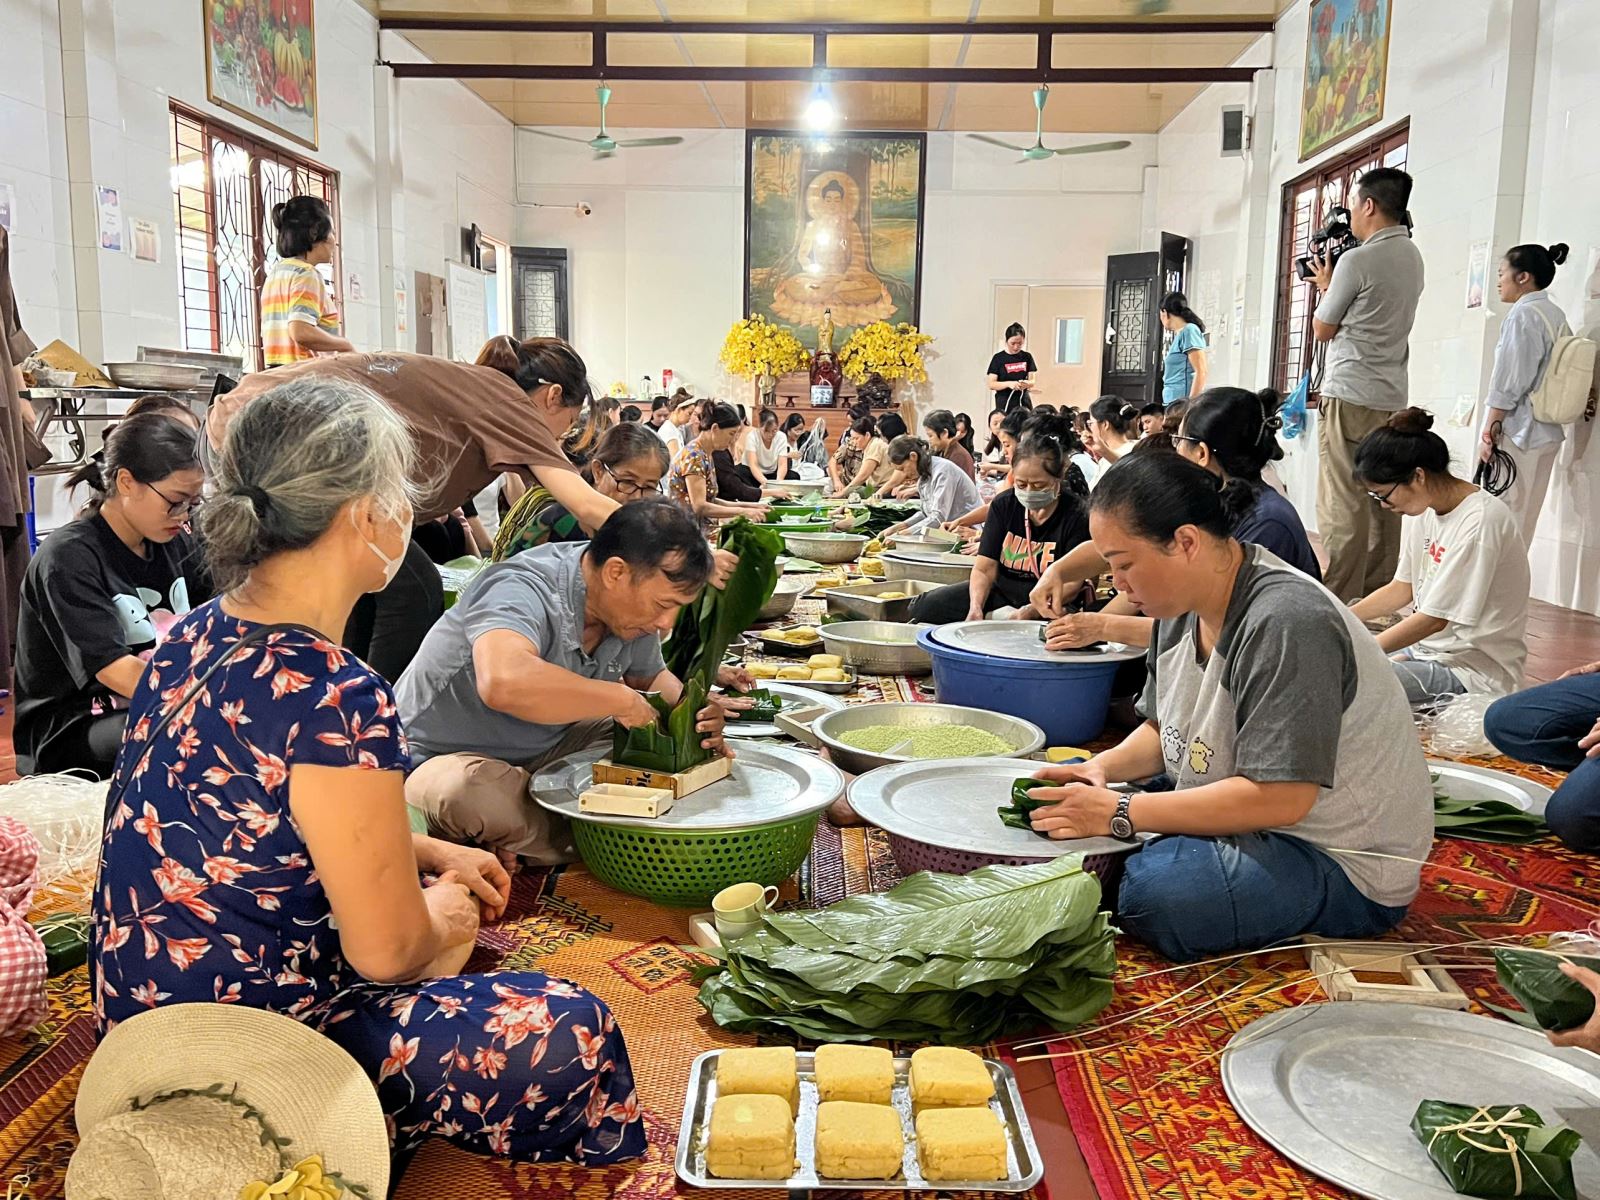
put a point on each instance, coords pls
(1429, 685)
(1196, 897)
(1542, 725)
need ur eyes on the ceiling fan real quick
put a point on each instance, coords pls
(603, 144)
(1039, 150)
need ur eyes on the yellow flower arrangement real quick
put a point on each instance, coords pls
(304, 1181)
(892, 351)
(755, 347)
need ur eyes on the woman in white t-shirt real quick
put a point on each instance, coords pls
(767, 452)
(1463, 563)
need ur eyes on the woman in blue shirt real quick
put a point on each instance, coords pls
(1184, 368)
(1520, 358)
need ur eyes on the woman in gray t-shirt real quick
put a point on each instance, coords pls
(1303, 803)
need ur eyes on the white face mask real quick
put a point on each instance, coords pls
(391, 566)
(1032, 500)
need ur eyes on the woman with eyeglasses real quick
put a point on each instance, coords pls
(101, 594)
(1463, 563)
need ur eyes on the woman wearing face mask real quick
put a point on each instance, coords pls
(1302, 796)
(291, 880)
(472, 422)
(692, 481)
(1025, 529)
(1462, 563)
(102, 592)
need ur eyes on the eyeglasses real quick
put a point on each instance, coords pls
(176, 508)
(1384, 499)
(629, 487)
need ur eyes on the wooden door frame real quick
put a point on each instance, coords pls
(552, 258)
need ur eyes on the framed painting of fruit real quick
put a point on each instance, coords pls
(1347, 68)
(261, 62)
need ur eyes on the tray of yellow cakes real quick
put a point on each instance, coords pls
(819, 672)
(847, 1117)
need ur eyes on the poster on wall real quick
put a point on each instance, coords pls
(146, 241)
(261, 62)
(1347, 66)
(1477, 273)
(833, 224)
(108, 206)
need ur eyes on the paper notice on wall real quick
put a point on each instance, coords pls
(146, 240)
(1238, 321)
(8, 205)
(1477, 273)
(466, 310)
(108, 203)
(356, 291)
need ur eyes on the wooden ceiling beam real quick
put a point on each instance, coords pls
(454, 24)
(1023, 75)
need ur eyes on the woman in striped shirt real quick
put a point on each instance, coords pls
(298, 320)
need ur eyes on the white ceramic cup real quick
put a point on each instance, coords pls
(737, 910)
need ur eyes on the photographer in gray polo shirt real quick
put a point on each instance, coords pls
(1369, 302)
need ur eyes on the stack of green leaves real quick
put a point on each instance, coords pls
(699, 639)
(766, 708)
(1551, 999)
(1019, 813)
(956, 959)
(1497, 1150)
(1484, 820)
(883, 513)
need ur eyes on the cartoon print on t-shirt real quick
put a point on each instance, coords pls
(1200, 757)
(143, 621)
(1172, 744)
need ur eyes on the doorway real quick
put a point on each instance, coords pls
(539, 291)
(1063, 325)
(1132, 334)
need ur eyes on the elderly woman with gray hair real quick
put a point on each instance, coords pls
(257, 841)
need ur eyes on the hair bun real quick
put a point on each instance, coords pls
(1411, 420)
(279, 211)
(1559, 252)
(1127, 412)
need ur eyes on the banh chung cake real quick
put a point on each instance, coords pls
(967, 1144)
(864, 1074)
(751, 1137)
(858, 1141)
(760, 1071)
(949, 1077)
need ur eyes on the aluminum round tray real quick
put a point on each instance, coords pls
(1477, 784)
(878, 647)
(1332, 1087)
(1021, 640)
(830, 548)
(793, 697)
(769, 784)
(781, 602)
(951, 804)
(1025, 737)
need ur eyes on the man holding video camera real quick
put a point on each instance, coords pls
(1369, 301)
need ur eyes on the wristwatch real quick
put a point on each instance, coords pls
(1121, 824)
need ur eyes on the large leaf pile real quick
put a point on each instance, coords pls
(957, 959)
(1485, 820)
(699, 640)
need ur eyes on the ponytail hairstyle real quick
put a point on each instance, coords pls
(1115, 412)
(904, 446)
(865, 426)
(942, 421)
(302, 222)
(890, 426)
(1015, 329)
(1177, 305)
(1539, 261)
(538, 362)
(1397, 450)
(719, 414)
(1240, 429)
(1154, 495)
(1050, 440)
(149, 446)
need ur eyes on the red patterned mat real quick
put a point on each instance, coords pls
(1146, 1100)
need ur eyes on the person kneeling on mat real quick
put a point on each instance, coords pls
(1303, 801)
(537, 659)
(1557, 725)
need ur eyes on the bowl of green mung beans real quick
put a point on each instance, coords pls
(865, 736)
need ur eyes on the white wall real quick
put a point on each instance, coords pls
(1472, 77)
(656, 270)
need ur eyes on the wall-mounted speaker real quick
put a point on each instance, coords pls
(1235, 131)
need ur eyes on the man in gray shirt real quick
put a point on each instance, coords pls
(1369, 301)
(538, 658)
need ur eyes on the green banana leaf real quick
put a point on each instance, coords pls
(1019, 813)
(767, 706)
(1485, 820)
(1540, 1162)
(1534, 977)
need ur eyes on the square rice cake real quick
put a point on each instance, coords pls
(760, 1071)
(966, 1144)
(752, 1137)
(858, 1141)
(864, 1074)
(949, 1077)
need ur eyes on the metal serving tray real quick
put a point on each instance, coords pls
(1024, 640)
(794, 697)
(1025, 1167)
(861, 600)
(1477, 784)
(1332, 1087)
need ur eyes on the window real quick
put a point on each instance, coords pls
(1069, 341)
(1306, 203)
(540, 292)
(224, 184)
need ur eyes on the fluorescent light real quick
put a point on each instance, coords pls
(819, 113)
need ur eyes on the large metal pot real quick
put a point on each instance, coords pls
(878, 647)
(824, 547)
(790, 588)
(1025, 735)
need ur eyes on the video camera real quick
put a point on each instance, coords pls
(1329, 242)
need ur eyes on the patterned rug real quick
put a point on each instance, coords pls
(1146, 1100)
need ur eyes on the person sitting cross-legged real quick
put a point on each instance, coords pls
(1557, 725)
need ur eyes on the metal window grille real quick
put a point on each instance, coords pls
(224, 184)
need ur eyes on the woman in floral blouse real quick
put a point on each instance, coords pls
(693, 480)
(257, 849)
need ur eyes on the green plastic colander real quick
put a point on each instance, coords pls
(685, 869)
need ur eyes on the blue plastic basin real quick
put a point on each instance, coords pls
(1069, 701)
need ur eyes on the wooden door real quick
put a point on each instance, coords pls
(1132, 334)
(539, 292)
(1064, 324)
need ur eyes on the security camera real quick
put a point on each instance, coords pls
(582, 208)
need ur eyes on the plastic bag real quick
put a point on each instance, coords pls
(1293, 411)
(1497, 1150)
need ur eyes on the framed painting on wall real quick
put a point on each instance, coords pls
(833, 224)
(261, 62)
(1347, 67)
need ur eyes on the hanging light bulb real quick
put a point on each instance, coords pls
(820, 114)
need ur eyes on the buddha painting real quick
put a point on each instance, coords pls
(835, 271)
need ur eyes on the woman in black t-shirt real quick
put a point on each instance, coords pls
(102, 592)
(1011, 372)
(1027, 528)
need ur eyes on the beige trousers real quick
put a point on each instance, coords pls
(484, 802)
(1361, 538)
(1526, 496)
